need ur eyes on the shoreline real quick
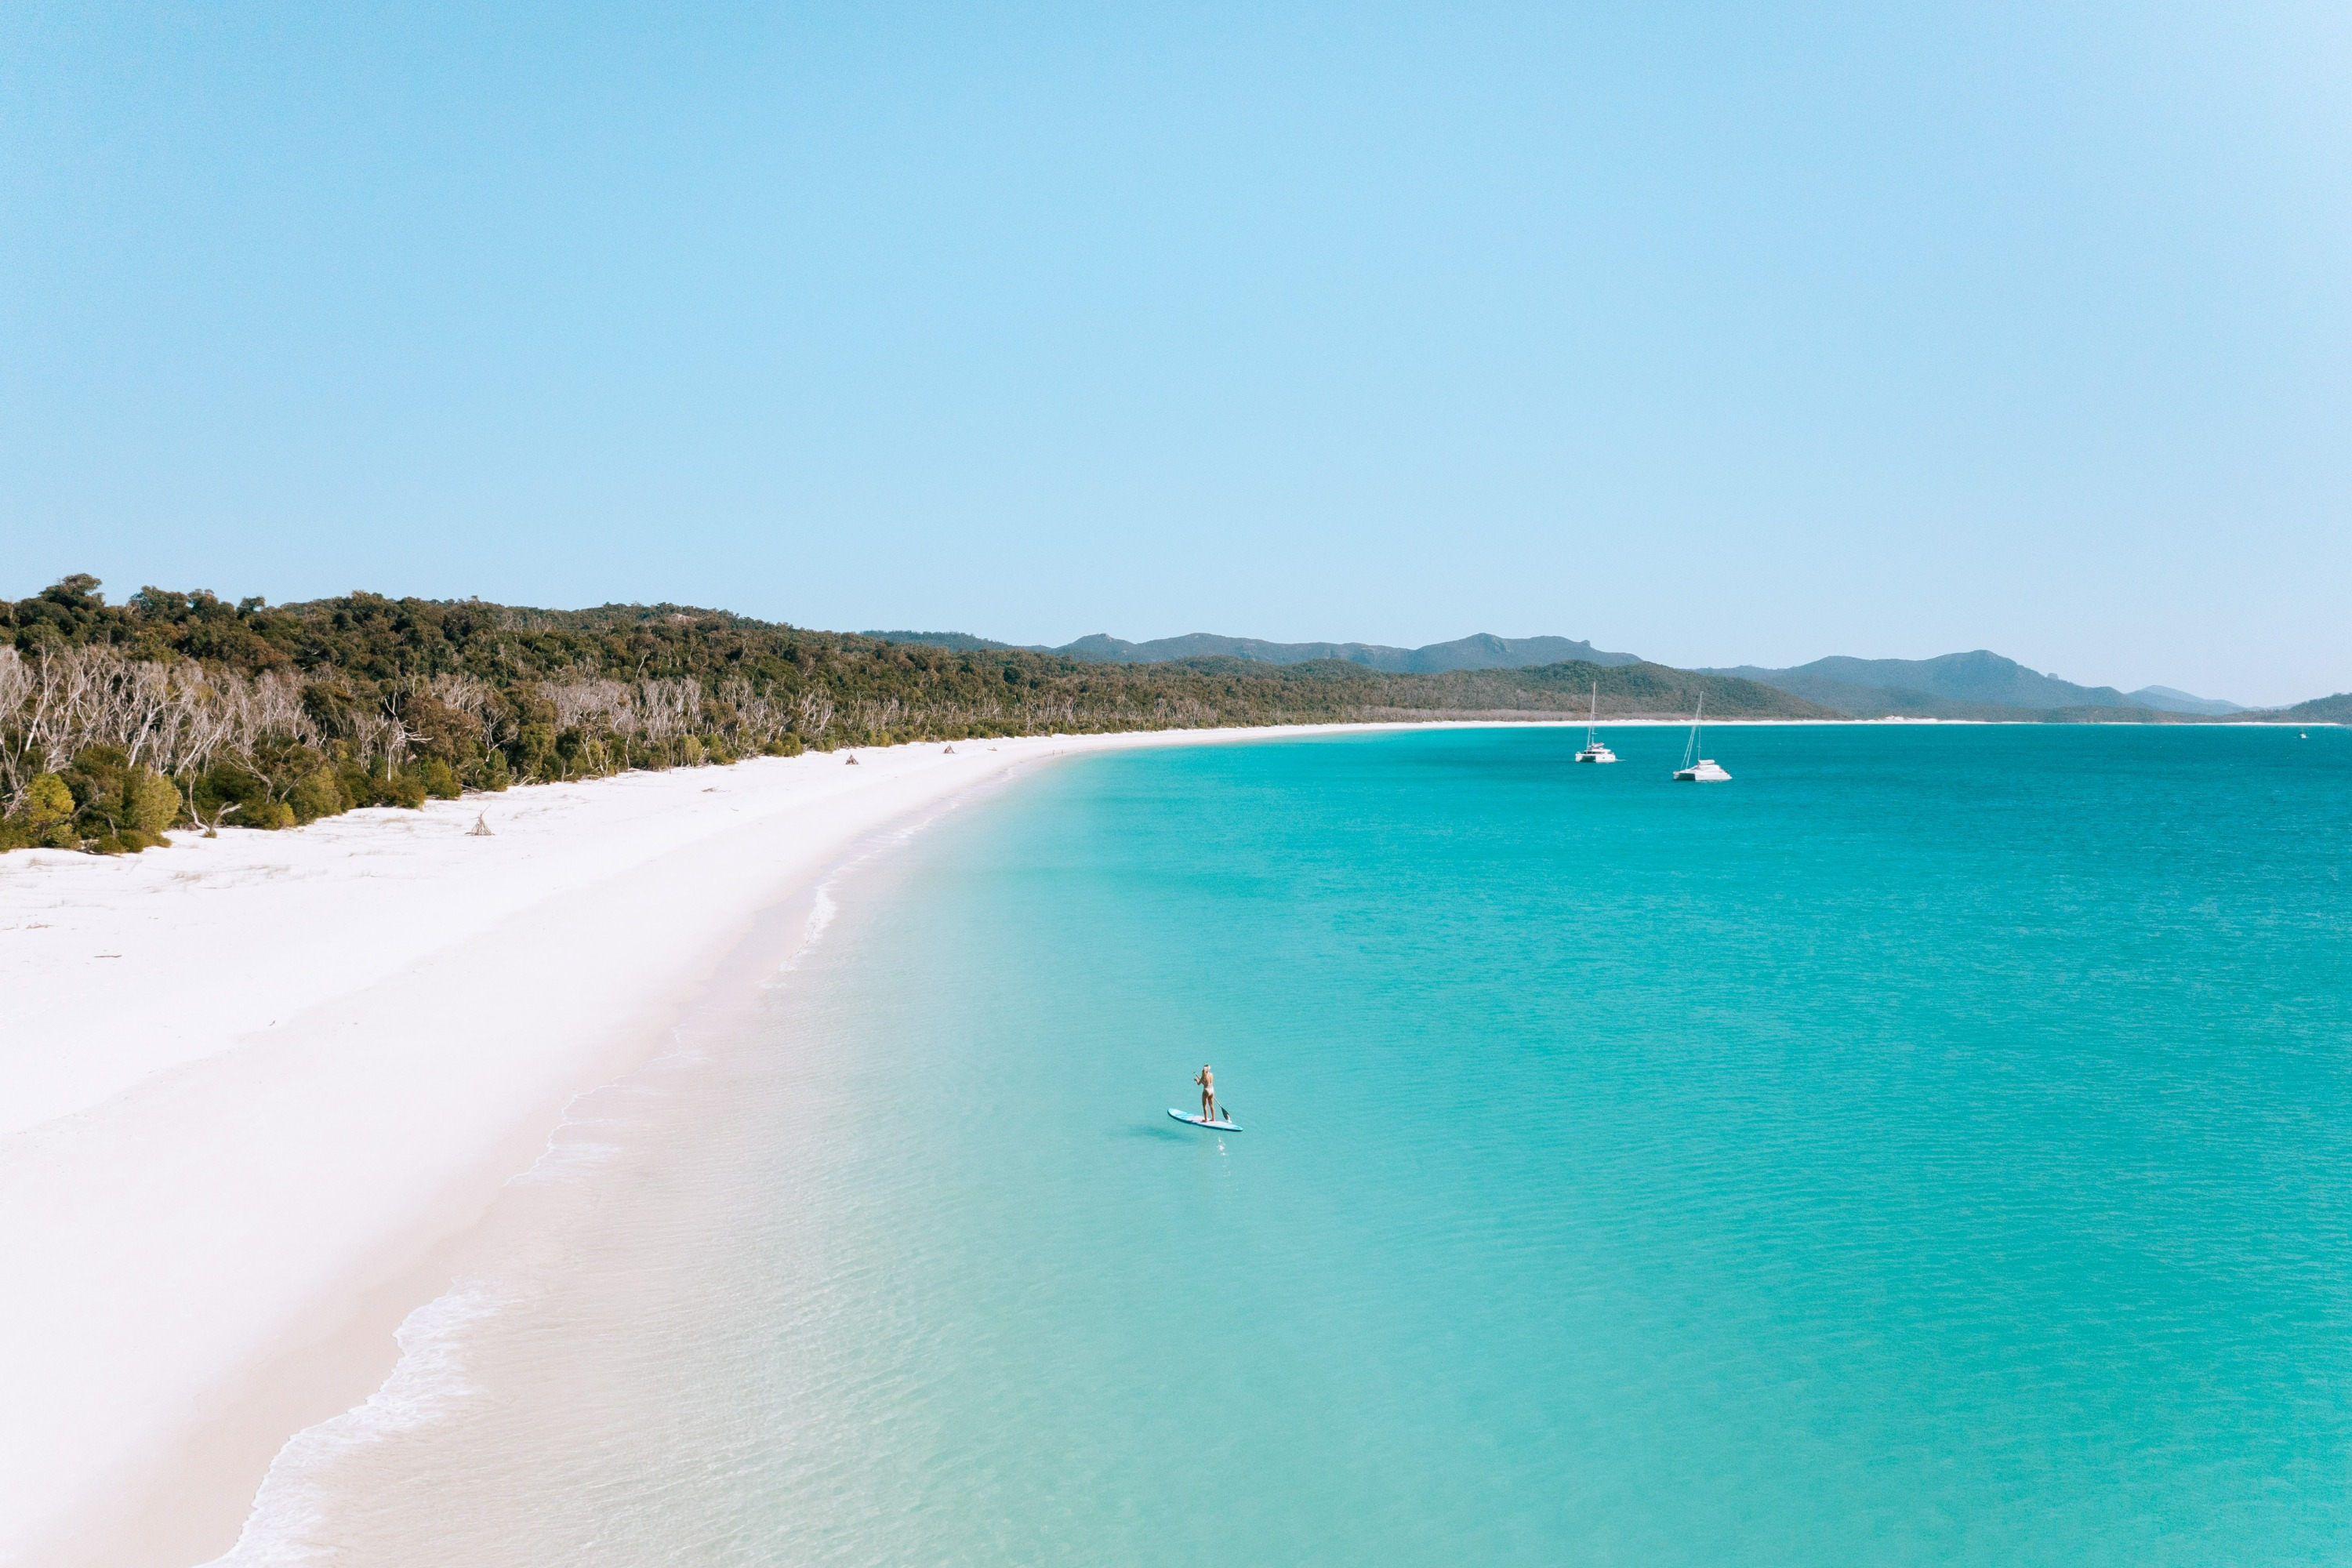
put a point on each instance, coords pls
(386, 1371)
(260, 1085)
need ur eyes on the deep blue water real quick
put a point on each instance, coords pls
(1930, 1147)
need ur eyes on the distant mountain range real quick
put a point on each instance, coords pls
(1979, 685)
(1482, 651)
(2170, 699)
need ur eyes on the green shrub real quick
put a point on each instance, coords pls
(117, 799)
(228, 783)
(46, 819)
(380, 786)
(356, 783)
(280, 786)
(537, 750)
(154, 802)
(318, 794)
(436, 780)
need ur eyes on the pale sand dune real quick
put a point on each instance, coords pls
(251, 1082)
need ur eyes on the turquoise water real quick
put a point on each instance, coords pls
(1931, 1147)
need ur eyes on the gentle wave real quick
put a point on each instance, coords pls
(428, 1383)
(822, 908)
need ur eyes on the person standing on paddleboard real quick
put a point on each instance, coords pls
(1208, 1082)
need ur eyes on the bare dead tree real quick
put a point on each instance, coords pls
(583, 701)
(474, 698)
(873, 717)
(170, 715)
(666, 709)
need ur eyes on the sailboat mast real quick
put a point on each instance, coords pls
(1696, 769)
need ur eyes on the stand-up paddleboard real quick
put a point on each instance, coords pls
(1203, 1122)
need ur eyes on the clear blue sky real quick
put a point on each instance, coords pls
(1722, 333)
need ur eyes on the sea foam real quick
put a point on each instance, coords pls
(283, 1531)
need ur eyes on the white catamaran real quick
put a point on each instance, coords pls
(1594, 751)
(1696, 769)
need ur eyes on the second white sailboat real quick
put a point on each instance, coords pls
(1696, 769)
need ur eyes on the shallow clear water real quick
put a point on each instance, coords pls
(1930, 1147)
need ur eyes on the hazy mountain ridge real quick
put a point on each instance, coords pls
(1980, 684)
(1481, 650)
(2177, 701)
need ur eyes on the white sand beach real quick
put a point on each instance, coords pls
(253, 1081)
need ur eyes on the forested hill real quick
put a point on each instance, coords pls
(183, 708)
(2336, 710)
